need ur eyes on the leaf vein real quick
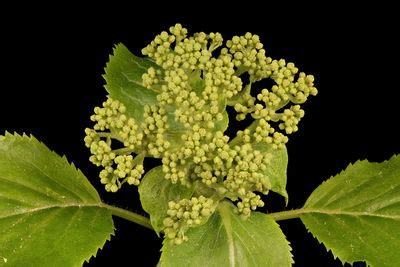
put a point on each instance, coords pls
(72, 205)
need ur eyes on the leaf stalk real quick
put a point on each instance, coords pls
(129, 215)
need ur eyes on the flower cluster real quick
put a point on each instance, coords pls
(184, 214)
(118, 165)
(195, 78)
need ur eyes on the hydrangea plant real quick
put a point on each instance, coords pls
(172, 105)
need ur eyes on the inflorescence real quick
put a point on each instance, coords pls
(197, 78)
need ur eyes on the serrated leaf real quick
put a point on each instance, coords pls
(228, 240)
(50, 215)
(356, 214)
(155, 193)
(276, 171)
(123, 75)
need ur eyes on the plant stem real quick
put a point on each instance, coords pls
(129, 215)
(144, 221)
(123, 151)
(287, 214)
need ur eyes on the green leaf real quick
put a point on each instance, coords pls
(50, 215)
(155, 193)
(276, 171)
(229, 240)
(176, 129)
(123, 75)
(124, 82)
(223, 124)
(356, 214)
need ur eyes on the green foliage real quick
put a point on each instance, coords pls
(356, 214)
(172, 106)
(124, 81)
(50, 215)
(229, 240)
(155, 193)
(277, 168)
(123, 75)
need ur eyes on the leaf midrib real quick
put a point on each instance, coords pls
(291, 214)
(37, 209)
(131, 80)
(226, 221)
(306, 211)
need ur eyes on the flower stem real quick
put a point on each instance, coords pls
(129, 215)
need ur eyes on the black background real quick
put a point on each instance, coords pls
(52, 59)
